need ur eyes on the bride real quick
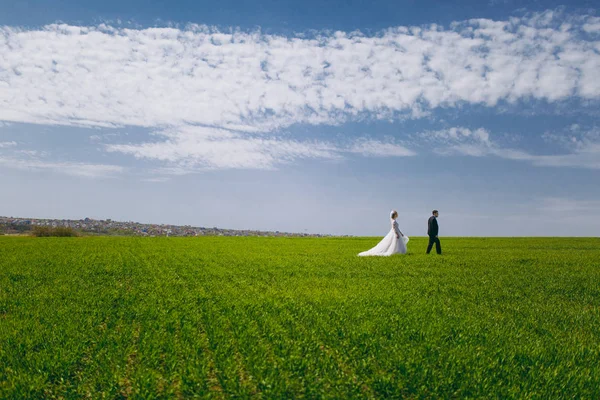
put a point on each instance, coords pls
(394, 242)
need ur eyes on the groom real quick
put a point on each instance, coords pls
(432, 231)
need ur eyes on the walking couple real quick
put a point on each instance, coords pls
(395, 241)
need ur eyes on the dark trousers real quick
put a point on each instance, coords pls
(438, 246)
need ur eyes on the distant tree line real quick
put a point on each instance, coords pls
(14, 228)
(48, 231)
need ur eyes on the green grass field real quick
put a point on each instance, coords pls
(286, 318)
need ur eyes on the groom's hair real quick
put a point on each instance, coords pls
(434, 211)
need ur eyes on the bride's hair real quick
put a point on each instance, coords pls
(393, 213)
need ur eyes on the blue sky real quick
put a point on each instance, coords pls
(303, 116)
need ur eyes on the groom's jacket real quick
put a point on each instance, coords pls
(432, 226)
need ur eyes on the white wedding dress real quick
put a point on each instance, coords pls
(390, 244)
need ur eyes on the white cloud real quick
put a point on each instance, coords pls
(582, 151)
(152, 77)
(375, 148)
(460, 134)
(587, 156)
(559, 205)
(68, 168)
(459, 141)
(7, 144)
(592, 25)
(211, 148)
(583, 146)
(228, 94)
(196, 148)
(158, 179)
(35, 160)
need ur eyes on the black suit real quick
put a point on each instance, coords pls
(432, 231)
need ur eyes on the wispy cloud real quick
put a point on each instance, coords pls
(582, 151)
(229, 93)
(68, 168)
(104, 75)
(34, 160)
(376, 148)
(560, 205)
(13, 156)
(156, 179)
(4, 145)
(586, 156)
(592, 25)
(190, 148)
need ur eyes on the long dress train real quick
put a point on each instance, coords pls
(390, 244)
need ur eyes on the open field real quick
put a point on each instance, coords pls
(217, 317)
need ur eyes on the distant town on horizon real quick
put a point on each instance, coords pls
(109, 227)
